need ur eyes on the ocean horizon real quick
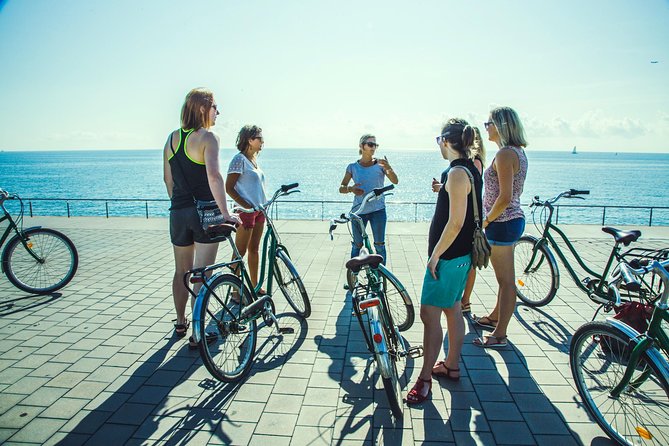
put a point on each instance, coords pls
(614, 179)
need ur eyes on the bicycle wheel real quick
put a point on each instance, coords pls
(291, 285)
(397, 297)
(230, 356)
(389, 373)
(55, 265)
(536, 283)
(598, 357)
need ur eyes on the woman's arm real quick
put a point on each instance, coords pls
(167, 169)
(230, 183)
(503, 164)
(344, 188)
(214, 177)
(388, 171)
(457, 186)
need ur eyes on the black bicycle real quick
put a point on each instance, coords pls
(36, 260)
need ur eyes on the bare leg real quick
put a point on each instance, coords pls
(501, 258)
(242, 241)
(469, 287)
(205, 254)
(254, 251)
(456, 337)
(183, 261)
(433, 337)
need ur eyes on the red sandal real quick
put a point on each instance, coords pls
(417, 394)
(447, 373)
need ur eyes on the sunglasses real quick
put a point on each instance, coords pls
(488, 124)
(440, 139)
(372, 144)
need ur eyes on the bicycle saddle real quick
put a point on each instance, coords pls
(355, 263)
(624, 237)
(222, 230)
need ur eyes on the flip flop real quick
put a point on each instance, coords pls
(483, 342)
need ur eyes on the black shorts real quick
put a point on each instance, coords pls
(185, 227)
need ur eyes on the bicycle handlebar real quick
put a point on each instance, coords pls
(629, 274)
(571, 193)
(371, 196)
(280, 192)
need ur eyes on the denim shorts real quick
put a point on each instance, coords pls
(505, 233)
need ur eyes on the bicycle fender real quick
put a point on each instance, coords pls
(653, 353)
(280, 247)
(399, 284)
(197, 309)
(380, 348)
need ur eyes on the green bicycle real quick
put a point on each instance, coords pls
(622, 375)
(382, 307)
(228, 305)
(537, 274)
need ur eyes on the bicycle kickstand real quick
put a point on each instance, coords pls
(280, 330)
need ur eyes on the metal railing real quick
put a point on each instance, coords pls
(345, 204)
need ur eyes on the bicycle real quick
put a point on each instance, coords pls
(400, 304)
(621, 374)
(371, 299)
(537, 274)
(228, 306)
(36, 260)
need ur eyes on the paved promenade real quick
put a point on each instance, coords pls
(97, 363)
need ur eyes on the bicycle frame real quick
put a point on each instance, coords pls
(13, 227)
(649, 341)
(601, 288)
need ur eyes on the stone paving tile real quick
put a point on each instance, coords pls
(99, 365)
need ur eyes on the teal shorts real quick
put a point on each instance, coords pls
(450, 284)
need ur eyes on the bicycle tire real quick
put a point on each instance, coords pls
(58, 265)
(291, 285)
(598, 354)
(538, 286)
(386, 362)
(230, 357)
(397, 298)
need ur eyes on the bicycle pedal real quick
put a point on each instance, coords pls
(286, 330)
(415, 352)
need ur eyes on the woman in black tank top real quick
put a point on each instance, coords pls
(449, 248)
(191, 172)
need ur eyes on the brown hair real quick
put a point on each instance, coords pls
(247, 132)
(477, 148)
(195, 111)
(460, 134)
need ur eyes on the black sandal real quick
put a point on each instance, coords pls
(209, 337)
(181, 330)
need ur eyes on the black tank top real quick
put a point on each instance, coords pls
(189, 176)
(462, 244)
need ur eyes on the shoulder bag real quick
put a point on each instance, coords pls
(480, 245)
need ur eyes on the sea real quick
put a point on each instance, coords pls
(623, 186)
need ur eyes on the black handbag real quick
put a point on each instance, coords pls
(480, 245)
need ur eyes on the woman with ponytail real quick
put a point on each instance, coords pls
(449, 250)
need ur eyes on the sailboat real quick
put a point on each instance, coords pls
(573, 151)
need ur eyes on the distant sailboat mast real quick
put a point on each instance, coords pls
(573, 151)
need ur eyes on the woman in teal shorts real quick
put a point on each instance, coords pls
(449, 248)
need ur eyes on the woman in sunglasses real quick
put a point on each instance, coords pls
(246, 185)
(191, 172)
(368, 173)
(505, 221)
(477, 154)
(449, 249)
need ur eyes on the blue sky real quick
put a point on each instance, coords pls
(112, 75)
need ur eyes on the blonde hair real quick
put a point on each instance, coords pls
(509, 127)
(195, 111)
(364, 139)
(478, 149)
